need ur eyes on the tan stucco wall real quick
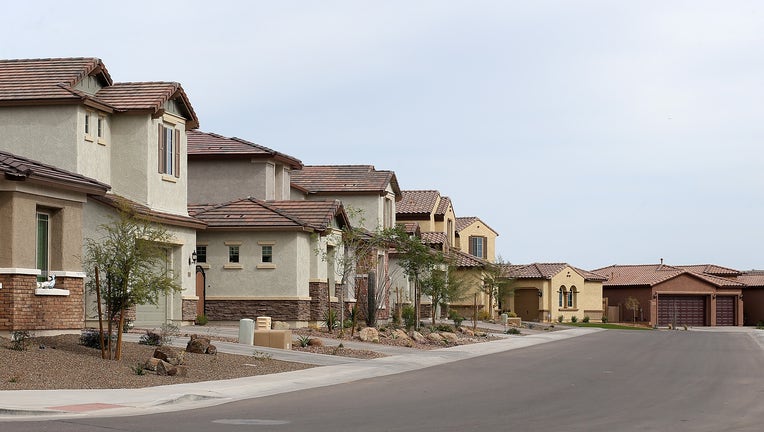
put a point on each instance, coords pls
(292, 254)
(479, 229)
(18, 229)
(45, 134)
(442, 226)
(216, 181)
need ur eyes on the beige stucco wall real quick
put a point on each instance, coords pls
(19, 204)
(289, 276)
(442, 226)
(45, 134)
(219, 181)
(478, 228)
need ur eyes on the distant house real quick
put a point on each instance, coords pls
(753, 297)
(694, 295)
(544, 292)
(475, 237)
(434, 214)
(68, 113)
(369, 197)
(41, 213)
(264, 258)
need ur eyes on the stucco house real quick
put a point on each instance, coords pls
(265, 258)
(753, 297)
(68, 113)
(369, 197)
(434, 214)
(543, 292)
(693, 295)
(475, 237)
(41, 213)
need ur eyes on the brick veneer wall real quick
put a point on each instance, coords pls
(319, 299)
(278, 310)
(21, 309)
(189, 310)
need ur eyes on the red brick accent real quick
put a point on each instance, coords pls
(21, 309)
(279, 310)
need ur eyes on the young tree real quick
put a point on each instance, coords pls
(632, 304)
(495, 283)
(443, 287)
(130, 256)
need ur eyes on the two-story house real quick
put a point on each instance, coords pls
(262, 254)
(369, 197)
(68, 113)
(475, 237)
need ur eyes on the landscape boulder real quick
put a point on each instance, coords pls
(212, 349)
(151, 364)
(168, 354)
(164, 368)
(466, 331)
(449, 337)
(400, 334)
(315, 342)
(369, 334)
(418, 337)
(198, 345)
(435, 337)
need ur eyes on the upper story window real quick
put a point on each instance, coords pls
(42, 251)
(387, 213)
(88, 127)
(267, 254)
(478, 246)
(233, 254)
(169, 150)
(101, 128)
(201, 254)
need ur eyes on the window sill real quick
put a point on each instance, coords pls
(233, 266)
(266, 266)
(89, 138)
(101, 142)
(203, 265)
(169, 178)
(51, 292)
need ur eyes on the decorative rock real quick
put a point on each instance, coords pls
(182, 371)
(197, 345)
(151, 364)
(164, 368)
(449, 337)
(418, 338)
(435, 337)
(400, 334)
(369, 334)
(212, 349)
(315, 342)
(170, 355)
(466, 331)
(280, 325)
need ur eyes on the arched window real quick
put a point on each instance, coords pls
(562, 293)
(572, 297)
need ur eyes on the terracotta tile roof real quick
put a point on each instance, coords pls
(417, 202)
(253, 214)
(464, 222)
(429, 237)
(211, 145)
(118, 202)
(53, 80)
(752, 278)
(411, 227)
(327, 179)
(547, 271)
(17, 168)
(47, 79)
(711, 269)
(443, 205)
(653, 274)
(462, 259)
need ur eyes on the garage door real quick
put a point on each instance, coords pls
(527, 304)
(682, 310)
(725, 311)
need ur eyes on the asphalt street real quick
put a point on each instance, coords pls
(610, 380)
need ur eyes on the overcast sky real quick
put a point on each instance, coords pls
(589, 132)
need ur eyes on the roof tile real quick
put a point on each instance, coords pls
(319, 179)
(206, 144)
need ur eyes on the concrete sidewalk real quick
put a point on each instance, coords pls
(48, 404)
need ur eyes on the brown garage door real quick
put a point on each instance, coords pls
(682, 310)
(725, 311)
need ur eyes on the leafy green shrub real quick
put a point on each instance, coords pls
(455, 317)
(348, 323)
(150, 338)
(91, 338)
(511, 314)
(138, 369)
(604, 319)
(586, 319)
(201, 320)
(574, 319)
(409, 316)
(443, 328)
(513, 331)
(331, 320)
(560, 318)
(20, 340)
(484, 315)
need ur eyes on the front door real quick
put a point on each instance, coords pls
(201, 281)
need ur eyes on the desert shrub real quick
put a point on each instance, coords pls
(574, 319)
(91, 338)
(560, 318)
(201, 320)
(150, 338)
(138, 369)
(409, 316)
(168, 332)
(586, 319)
(455, 317)
(348, 323)
(484, 315)
(443, 328)
(604, 319)
(304, 341)
(20, 340)
(331, 321)
(513, 331)
(511, 314)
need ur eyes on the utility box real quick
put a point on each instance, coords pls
(246, 331)
(281, 339)
(263, 323)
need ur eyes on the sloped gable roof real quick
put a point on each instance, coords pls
(547, 271)
(443, 205)
(462, 259)
(148, 96)
(254, 214)
(417, 202)
(464, 222)
(17, 168)
(711, 269)
(318, 179)
(654, 274)
(752, 278)
(119, 202)
(212, 145)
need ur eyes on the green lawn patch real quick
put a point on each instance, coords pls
(606, 326)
